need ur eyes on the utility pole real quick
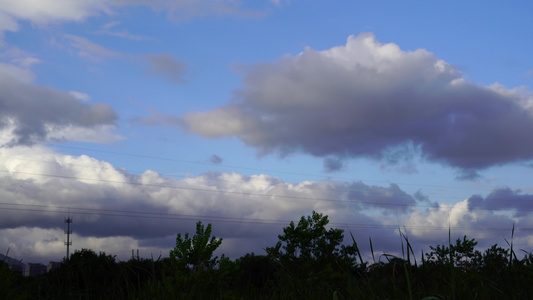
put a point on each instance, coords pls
(133, 254)
(68, 232)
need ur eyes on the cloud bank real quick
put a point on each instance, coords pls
(116, 211)
(369, 99)
(146, 211)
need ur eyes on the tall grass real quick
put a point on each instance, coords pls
(407, 264)
(497, 274)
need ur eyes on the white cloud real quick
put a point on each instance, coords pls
(7, 23)
(96, 134)
(13, 72)
(122, 34)
(110, 25)
(105, 30)
(89, 50)
(19, 57)
(80, 95)
(223, 122)
(52, 11)
(25, 163)
(45, 12)
(26, 62)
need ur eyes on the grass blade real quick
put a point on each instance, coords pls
(357, 248)
(372, 249)
(408, 281)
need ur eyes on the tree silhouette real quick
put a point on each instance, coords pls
(198, 250)
(309, 241)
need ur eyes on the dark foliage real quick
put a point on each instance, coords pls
(308, 262)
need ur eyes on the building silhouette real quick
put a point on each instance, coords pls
(35, 269)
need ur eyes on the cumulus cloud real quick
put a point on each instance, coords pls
(31, 112)
(167, 66)
(39, 187)
(365, 99)
(490, 219)
(487, 226)
(116, 211)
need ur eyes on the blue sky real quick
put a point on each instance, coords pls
(145, 116)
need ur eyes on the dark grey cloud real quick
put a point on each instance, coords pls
(332, 164)
(388, 199)
(423, 198)
(167, 66)
(33, 112)
(215, 159)
(366, 98)
(503, 199)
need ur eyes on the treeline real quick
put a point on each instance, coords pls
(308, 262)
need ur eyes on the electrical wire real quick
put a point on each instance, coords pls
(225, 219)
(241, 167)
(371, 203)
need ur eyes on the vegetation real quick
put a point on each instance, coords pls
(197, 251)
(308, 262)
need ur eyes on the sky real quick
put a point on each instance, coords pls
(139, 118)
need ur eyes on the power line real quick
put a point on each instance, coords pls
(240, 167)
(371, 203)
(128, 213)
(165, 216)
(206, 190)
(339, 186)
